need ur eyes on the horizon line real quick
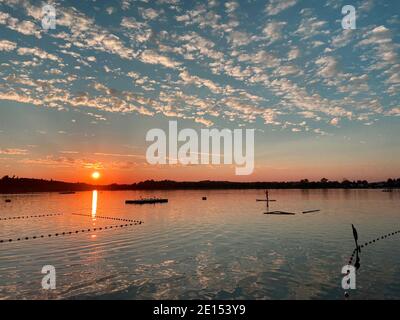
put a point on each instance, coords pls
(305, 180)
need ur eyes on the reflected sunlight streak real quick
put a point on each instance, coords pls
(94, 204)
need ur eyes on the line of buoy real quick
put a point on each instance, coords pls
(73, 232)
(33, 216)
(346, 294)
(104, 217)
(372, 242)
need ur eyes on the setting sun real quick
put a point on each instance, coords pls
(96, 175)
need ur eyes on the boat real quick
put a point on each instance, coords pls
(309, 211)
(387, 190)
(67, 192)
(280, 213)
(204, 198)
(265, 200)
(146, 201)
(7, 200)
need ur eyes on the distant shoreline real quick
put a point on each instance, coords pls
(25, 185)
(192, 189)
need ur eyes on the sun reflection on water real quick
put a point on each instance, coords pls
(94, 204)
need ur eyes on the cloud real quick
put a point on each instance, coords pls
(119, 155)
(149, 14)
(149, 56)
(273, 30)
(394, 112)
(125, 4)
(193, 43)
(394, 78)
(335, 121)
(328, 67)
(27, 28)
(248, 111)
(206, 122)
(366, 5)
(343, 38)
(20, 97)
(381, 39)
(310, 26)
(24, 27)
(13, 152)
(284, 71)
(242, 78)
(84, 32)
(138, 32)
(6, 45)
(379, 35)
(189, 79)
(261, 57)
(293, 54)
(239, 38)
(274, 7)
(37, 52)
(62, 162)
(231, 6)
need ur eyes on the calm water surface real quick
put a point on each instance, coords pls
(222, 248)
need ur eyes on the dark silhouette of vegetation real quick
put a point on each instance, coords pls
(26, 185)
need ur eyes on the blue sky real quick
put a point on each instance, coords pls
(324, 101)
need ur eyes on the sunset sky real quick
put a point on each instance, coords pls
(324, 101)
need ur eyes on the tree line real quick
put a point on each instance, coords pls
(27, 185)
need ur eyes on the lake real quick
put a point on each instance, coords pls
(221, 248)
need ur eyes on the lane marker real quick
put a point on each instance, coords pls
(104, 217)
(372, 242)
(32, 216)
(73, 232)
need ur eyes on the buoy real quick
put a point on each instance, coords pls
(204, 198)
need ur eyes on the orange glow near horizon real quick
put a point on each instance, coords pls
(275, 169)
